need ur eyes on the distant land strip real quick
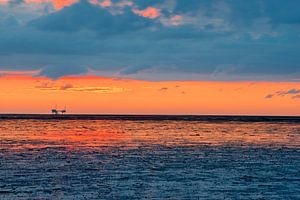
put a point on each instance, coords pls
(211, 118)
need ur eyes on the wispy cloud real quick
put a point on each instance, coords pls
(163, 89)
(18, 73)
(291, 92)
(173, 88)
(288, 92)
(269, 96)
(296, 97)
(48, 86)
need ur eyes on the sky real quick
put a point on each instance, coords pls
(150, 56)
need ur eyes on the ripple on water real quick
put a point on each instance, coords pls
(42, 159)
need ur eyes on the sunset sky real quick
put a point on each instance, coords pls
(150, 56)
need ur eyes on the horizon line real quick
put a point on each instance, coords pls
(154, 114)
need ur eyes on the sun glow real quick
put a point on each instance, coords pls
(87, 94)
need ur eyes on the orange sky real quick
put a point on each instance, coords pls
(26, 94)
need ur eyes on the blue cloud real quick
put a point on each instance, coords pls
(85, 16)
(55, 72)
(213, 40)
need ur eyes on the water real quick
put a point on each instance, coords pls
(149, 159)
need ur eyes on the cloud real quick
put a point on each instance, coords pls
(86, 16)
(175, 88)
(56, 71)
(18, 73)
(149, 12)
(104, 3)
(4, 1)
(50, 86)
(163, 89)
(154, 40)
(269, 96)
(296, 97)
(100, 89)
(57, 4)
(291, 92)
(288, 92)
(45, 85)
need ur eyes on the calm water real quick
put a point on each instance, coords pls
(119, 159)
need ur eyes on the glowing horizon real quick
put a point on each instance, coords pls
(101, 95)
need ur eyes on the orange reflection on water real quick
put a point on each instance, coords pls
(23, 134)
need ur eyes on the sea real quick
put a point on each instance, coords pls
(149, 157)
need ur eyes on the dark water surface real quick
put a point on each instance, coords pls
(149, 159)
